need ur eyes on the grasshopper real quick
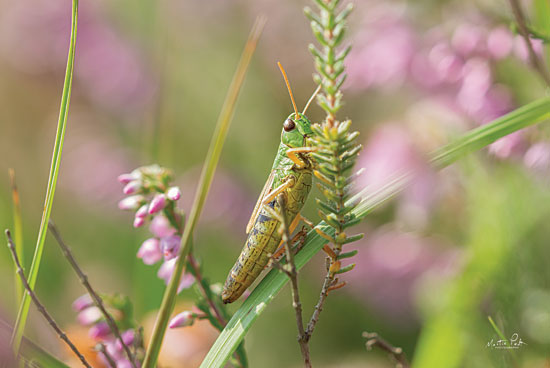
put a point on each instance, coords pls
(291, 177)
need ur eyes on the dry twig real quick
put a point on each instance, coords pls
(39, 305)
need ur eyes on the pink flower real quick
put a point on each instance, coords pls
(99, 331)
(126, 178)
(139, 221)
(128, 337)
(186, 318)
(165, 273)
(161, 227)
(132, 187)
(538, 156)
(131, 203)
(143, 211)
(508, 145)
(173, 193)
(157, 203)
(170, 246)
(150, 251)
(468, 38)
(89, 316)
(82, 302)
(500, 42)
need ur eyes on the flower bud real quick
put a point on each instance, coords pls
(126, 178)
(131, 203)
(89, 316)
(132, 187)
(173, 193)
(143, 211)
(128, 337)
(150, 251)
(157, 204)
(138, 221)
(183, 319)
(99, 331)
(82, 302)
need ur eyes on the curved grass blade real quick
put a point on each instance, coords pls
(30, 352)
(207, 174)
(17, 232)
(268, 288)
(52, 181)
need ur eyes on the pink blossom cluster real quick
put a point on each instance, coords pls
(153, 199)
(456, 68)
(90, 315)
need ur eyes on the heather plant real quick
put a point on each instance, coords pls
(502, 206)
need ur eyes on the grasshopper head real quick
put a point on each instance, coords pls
(296, 130)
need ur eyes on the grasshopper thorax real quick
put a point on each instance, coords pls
(296, 130)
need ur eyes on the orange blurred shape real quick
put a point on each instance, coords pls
(85, 344)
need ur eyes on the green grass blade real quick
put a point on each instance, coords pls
(18, 234)
(207, 174)
(495, 327)
(52, 181)
(268, 288)
(32, 352)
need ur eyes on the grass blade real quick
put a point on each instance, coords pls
(273, 282)
(17, 232)
(32, 352)
(207, 174)
(52, 181)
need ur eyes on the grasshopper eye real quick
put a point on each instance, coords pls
(289, 125)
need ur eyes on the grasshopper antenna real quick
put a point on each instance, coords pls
(289, 90)
(311, 99)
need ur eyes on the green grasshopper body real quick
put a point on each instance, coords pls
(291, 176)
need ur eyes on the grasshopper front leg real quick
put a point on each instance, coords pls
(292, 154)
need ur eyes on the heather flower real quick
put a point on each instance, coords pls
(139, 221)
(186, 318)
(131, 203)
(170, 246)
(161, 227)
(132, 187)
(89, 316)
(157, 204)
(538, 156)
(99, 331)
(500, 42)
(165, 273)
(150, 251)
(173, 193)
(82, 302)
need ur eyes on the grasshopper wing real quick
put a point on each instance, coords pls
(265, 191)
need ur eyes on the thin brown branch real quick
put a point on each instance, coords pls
(292, 273)
(396, 353)
(524, 32)
(93, 294)
(196, 270)
(39, 305)
(327, 284)
(108, 358)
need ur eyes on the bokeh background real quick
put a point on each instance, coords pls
(150, 78)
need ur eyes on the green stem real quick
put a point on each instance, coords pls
(207, 175)
(52, 181)
(18, 233)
